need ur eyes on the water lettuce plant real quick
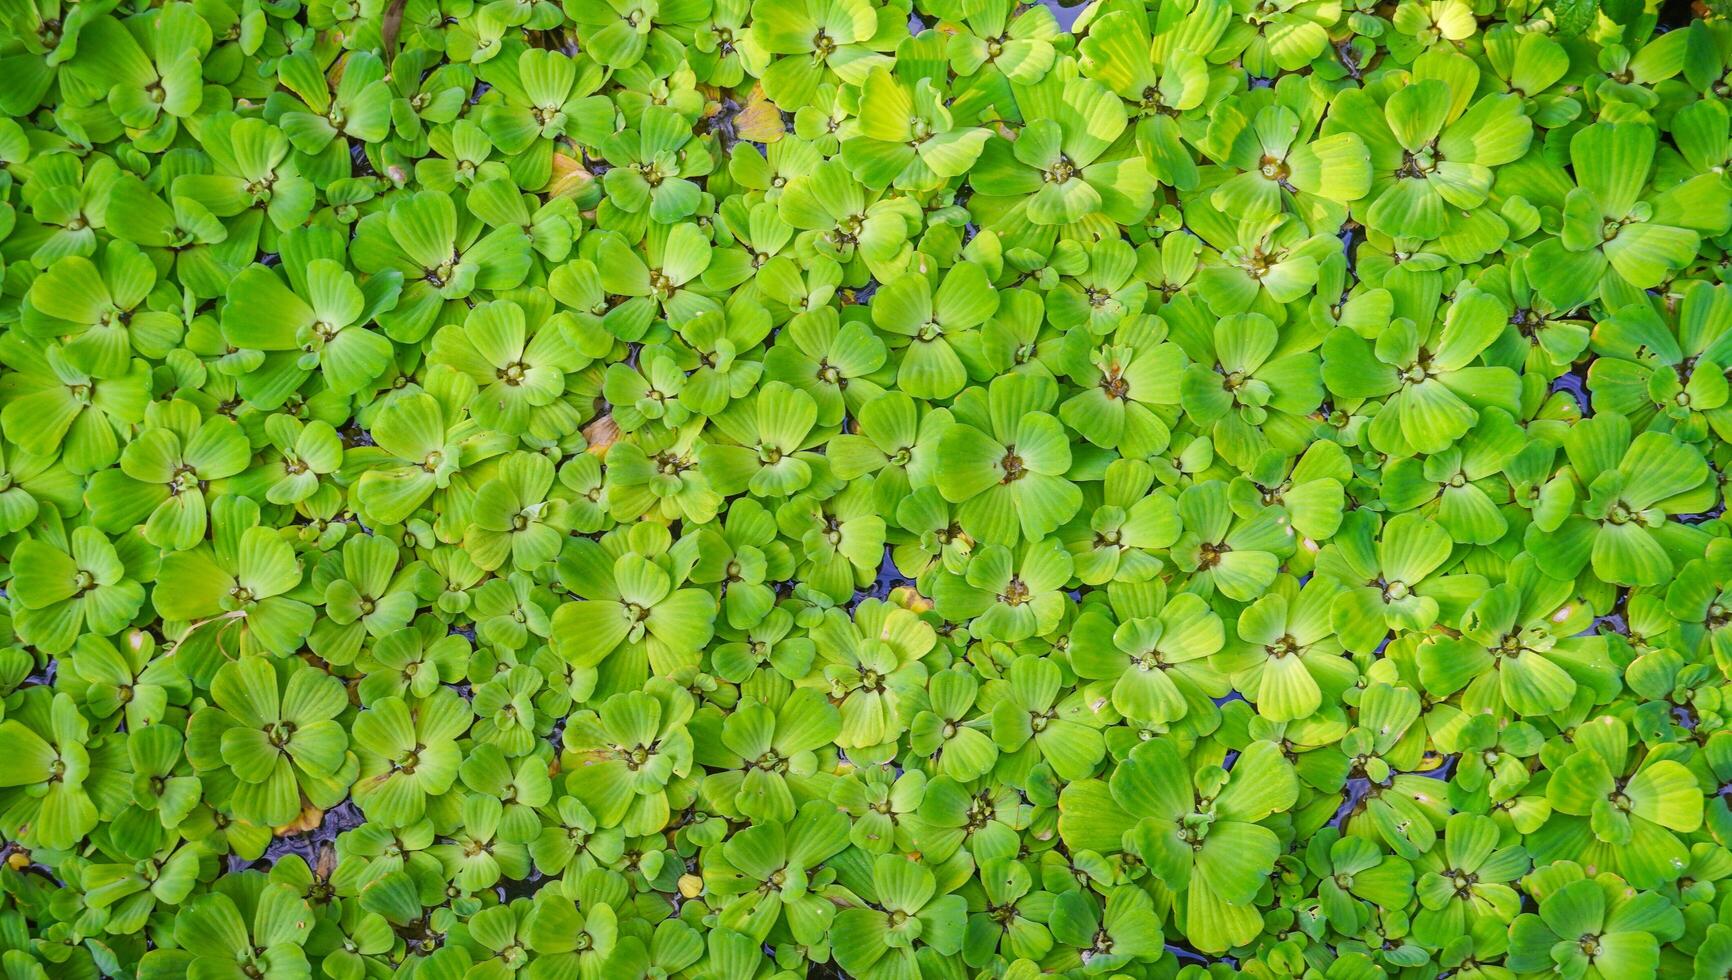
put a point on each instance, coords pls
(872, 489)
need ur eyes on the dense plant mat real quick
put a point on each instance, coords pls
(885, 489)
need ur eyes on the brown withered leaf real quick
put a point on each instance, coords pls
(325, 862)
(310, 818)
(389, 27)
(601, 434)
(909, 599)
(759, 120)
